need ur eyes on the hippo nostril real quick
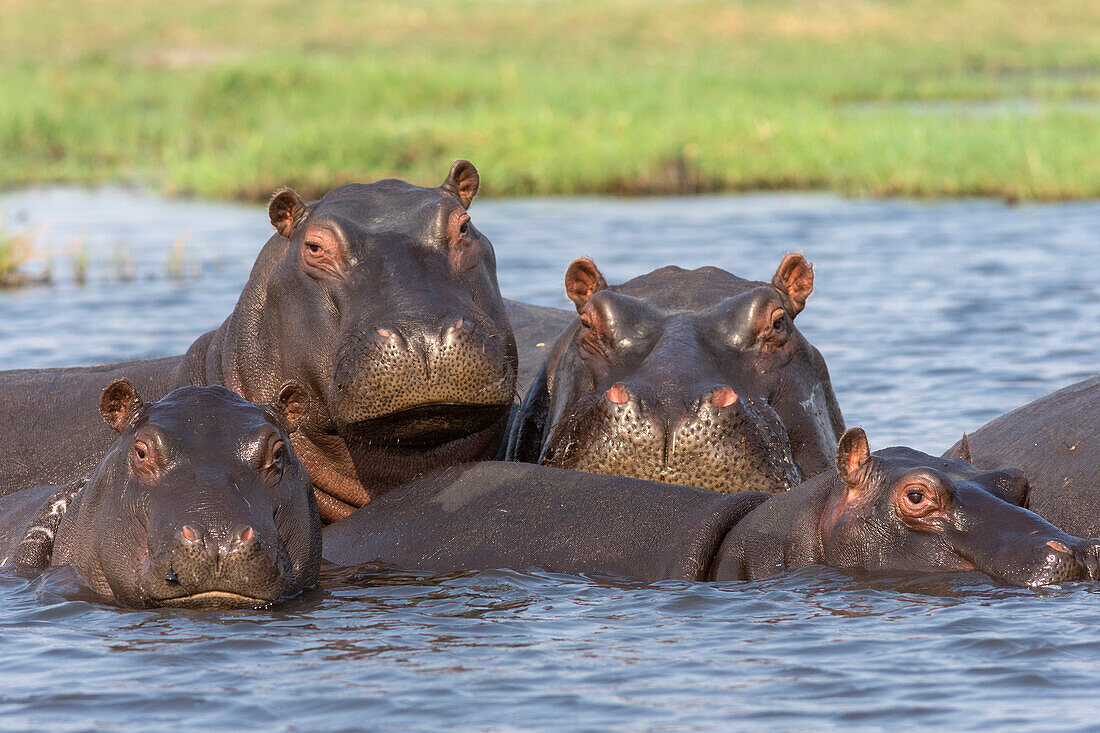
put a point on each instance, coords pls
(723, 397)
(247, 534)
(1059, 546)
(189, 533)
(170, 576)
(386, 333)
(617, 393)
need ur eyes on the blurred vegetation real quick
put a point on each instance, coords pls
(995, 97)
(16, 250)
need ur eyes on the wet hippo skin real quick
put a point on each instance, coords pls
(522, 516)
(380, 299)
(691, 377)
(200, 502)
(898, 512)
(1055, 440)
(536, 328)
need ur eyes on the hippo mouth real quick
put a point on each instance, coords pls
(213, 599)
(425, 425)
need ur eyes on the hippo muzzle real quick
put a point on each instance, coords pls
(1034, 557)
(238, 566)
(720, 442)
(419, 384)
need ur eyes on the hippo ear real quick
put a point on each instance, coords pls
(462, 182)
(119, 403)
(795, 281)
(285, 211)
(291, 404)
(961, 451)
(853, 457)
(582, 281)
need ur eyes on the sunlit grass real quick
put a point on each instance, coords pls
(555, 96)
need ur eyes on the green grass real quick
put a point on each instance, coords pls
(234, 99)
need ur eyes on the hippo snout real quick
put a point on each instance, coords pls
(388, 369)
(713, 438)
(241, 567)
(1061, 560)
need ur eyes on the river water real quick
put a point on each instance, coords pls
(933, 318)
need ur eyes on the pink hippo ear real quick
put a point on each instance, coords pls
(291, 404)
(286, 211)
(795, 281)
(119, 403)
(582, 281)
(853, 457)
(462, 182)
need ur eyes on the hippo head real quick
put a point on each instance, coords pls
(900, 510)
(691, 377)
(383, 301)
(200, 502)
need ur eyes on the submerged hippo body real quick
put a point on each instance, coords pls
(199, 502)
(1056, 441)
(381, 299)
(522, 516)
(691, 377)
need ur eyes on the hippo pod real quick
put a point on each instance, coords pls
(689, 377)
(1056, 440)
(898, 511)
(200, 502)
(381, 299)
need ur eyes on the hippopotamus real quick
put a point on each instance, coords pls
(897, 511)
(694, 377)
(903, 511)
(1056, 441)
(200, 502)
(381, 299)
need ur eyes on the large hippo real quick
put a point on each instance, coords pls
(381, 299)
(896, 512)
(200, 502)
(1056, 441)
(692, 377)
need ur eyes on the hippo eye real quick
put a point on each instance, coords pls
(278, 453)
(915, 497)
(142, 460)
(465, 228)
(314, 248)
(778, 322)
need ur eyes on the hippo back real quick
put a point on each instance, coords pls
(536, 329)
(58, 408)
(522, 516)
(1055, 440)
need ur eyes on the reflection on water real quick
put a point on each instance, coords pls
(933, 318)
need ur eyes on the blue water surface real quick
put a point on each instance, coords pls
(933, 317)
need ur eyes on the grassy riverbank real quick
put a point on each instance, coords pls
(636, 96)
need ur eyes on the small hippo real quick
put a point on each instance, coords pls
(899, 511)
(200, 502)
(1056, 440)
(902, 511)
(381, 299)
(691, 377)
